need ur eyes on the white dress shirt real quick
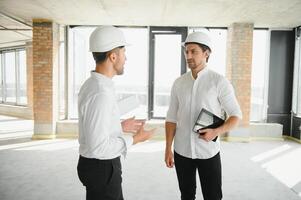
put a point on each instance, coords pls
(100, 131)
(209, 90)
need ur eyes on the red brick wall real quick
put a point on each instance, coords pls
(239, 64)
(29, 75)
(45, 49)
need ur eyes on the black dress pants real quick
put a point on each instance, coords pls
(210, 176)
(102, 178)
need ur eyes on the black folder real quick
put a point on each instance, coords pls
(207, 119)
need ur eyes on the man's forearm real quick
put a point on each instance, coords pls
(170, 131)
(229, 124)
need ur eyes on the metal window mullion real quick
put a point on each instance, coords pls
(298, 90)
(298, 112)
(151, 74)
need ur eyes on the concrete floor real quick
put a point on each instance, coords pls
(46, 169)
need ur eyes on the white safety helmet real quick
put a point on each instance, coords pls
(106, 38)
(200, 38)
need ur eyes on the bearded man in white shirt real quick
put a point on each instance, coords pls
(199, 88)
(101, 137)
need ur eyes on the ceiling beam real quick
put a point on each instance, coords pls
(14, 19)
(14, 29)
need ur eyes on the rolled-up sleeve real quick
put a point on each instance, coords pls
(228, 99)
(128, 141)
(173, 105)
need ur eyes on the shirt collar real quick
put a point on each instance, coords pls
(101, 78)
(200, 73)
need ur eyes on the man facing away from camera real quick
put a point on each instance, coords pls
(101, 134)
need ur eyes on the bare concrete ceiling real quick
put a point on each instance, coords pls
(220, 13)
(209, 13)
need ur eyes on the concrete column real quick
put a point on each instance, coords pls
(45, 78)
(239, 67)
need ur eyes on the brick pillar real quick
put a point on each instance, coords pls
(29, 78)
(239, 64)
(239, 69)
(45, 78)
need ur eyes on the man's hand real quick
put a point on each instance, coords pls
(208, 134)
(169, 160)
(143, 135)
(132, 125)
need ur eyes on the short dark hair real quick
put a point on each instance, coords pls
(100, 57)
(202, 46)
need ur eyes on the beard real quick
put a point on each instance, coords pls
(193, 65)
(120, 71)
(119, 68)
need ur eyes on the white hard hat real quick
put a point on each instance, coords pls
(199, 37)
(106, 38)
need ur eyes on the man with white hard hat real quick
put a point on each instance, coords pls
(200, 88)
(101, 138)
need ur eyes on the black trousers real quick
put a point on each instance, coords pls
(102, 178)
(210, 176)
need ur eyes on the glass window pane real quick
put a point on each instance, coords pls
(23, 77)
(127, 84)
(62, 81)
(167, 61)
(217, 60)
(10, 77)
(258, 75)
(299, 81)
(134, 80)
(296, 105)
(83, 63)
(1, 91)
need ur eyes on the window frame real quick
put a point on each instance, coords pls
(183, 31)
(16, 50)
(264, 111)
(296, 109)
